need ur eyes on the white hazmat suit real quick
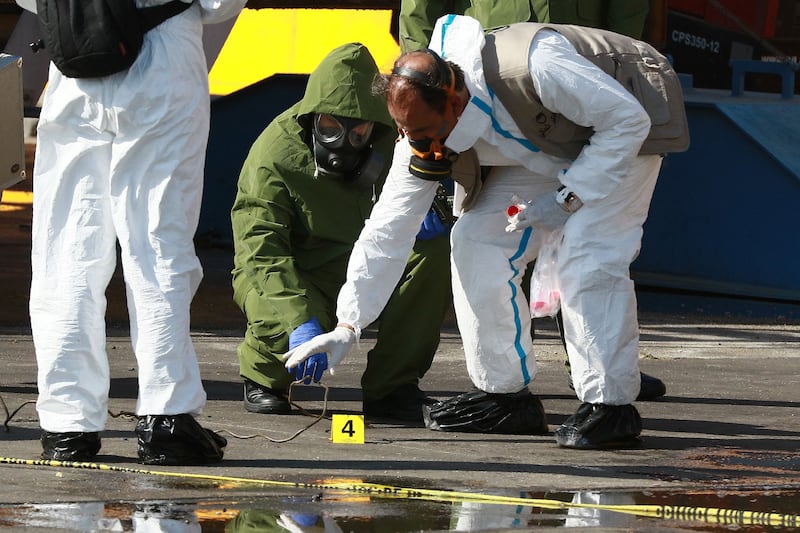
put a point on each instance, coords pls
(600, 240)
(121, 158)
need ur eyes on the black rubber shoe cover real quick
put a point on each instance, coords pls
(177, 440)
(70, 446)
(600, 426)
(519, 413)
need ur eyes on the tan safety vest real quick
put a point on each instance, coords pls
(639, 67)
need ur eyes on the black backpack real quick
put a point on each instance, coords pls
(94, 38)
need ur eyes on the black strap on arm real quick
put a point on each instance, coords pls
(154, 15)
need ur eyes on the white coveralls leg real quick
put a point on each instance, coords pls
(488, 264)
(597, 295)
(598, 301)
(120, 157)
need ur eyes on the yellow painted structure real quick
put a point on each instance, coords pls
(264, 42)
(16, 200)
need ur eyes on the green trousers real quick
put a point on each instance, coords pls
(407, 336)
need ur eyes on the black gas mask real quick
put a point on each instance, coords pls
(342, 149)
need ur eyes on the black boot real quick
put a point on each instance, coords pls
(601, 426)
(70, 446)
(177, 440)
(651, 388)
(519, 413)
(403, 404)
(261, 399)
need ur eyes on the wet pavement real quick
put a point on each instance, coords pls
(726, 436)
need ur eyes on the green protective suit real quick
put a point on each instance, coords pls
(293, 234)
(417, 17)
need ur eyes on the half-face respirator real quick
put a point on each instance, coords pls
(430, 159)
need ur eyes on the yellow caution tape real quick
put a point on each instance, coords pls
(666, 512)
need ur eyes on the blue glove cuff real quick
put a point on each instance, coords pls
(431, 227)
(304, 520)
(305, 332)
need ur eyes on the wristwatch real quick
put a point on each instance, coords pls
(568, 200)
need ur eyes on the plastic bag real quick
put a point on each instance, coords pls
(545, 292)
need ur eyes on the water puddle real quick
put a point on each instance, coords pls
(341, 511)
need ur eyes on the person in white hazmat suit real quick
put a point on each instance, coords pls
(121, 158)
(599, 200)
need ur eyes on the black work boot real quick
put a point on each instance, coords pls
(177, 440)
(651, 388)
(261, 399)
(70, 446)
(519, 413)
(403, 404)
(600, 426)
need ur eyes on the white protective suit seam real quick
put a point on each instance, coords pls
(521, 355)
(523, 141)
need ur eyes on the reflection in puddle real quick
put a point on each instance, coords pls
(98, 516)
(473, 516)
(340, 512)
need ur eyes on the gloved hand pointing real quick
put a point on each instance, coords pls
(315, 365)
(336, 344)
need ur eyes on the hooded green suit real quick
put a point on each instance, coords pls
(293, 234)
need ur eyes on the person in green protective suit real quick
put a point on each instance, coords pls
(308, 184)
(417, 17)
(627, 17)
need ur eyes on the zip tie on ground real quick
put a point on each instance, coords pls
(666, 512)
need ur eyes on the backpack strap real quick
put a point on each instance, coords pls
(154, 15)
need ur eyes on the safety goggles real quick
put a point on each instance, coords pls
(330, 129)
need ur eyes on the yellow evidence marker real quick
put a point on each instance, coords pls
(347, 429)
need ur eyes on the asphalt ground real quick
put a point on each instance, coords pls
(728, 428)
(730, 420)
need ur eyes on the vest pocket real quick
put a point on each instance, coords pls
(648, 87)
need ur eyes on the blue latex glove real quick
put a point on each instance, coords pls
(336, 344)
(431, 227)
(304, 520)
(314, 366)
